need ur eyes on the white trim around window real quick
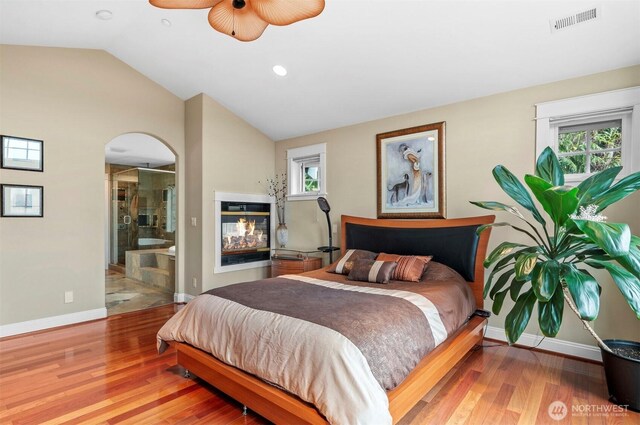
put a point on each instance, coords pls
(621, 105)
(297, 158)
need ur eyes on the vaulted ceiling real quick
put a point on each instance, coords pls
(358, 61)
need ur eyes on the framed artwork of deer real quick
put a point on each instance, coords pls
(410, 170)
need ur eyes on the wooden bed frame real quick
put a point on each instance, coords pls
(282, 407)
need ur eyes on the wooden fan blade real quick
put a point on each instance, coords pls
(246, 24)
(184, 4)
(285, 12)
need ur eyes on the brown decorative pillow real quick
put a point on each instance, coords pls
(372, 271)
(344, 263)
(410, 267)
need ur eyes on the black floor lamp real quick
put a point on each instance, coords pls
(324, 206)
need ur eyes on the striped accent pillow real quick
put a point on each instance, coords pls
(372, 271)
(343, 264)
(410, 267)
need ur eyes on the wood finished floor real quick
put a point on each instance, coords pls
(108, 372)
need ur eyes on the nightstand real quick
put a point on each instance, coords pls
(294, 261)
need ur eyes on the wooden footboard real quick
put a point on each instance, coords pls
(268, 401)
(281, 407)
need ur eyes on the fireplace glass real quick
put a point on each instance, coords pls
(245, 232)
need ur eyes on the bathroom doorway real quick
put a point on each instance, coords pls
(141, 206)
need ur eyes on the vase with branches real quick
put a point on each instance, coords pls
(277, 188)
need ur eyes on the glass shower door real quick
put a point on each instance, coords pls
(124, 229)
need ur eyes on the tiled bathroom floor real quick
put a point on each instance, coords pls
(124, 295)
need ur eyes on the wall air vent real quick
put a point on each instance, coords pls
(574, 19)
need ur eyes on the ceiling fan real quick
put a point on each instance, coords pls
(246, 20)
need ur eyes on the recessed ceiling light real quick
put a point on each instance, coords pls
(104, 15)
(280, 70)
(165, 22)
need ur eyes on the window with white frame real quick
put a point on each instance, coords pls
(592, 133)
(307, 172)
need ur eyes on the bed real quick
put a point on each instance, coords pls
(453, 245)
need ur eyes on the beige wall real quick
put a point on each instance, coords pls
(193, 175)
(75, 100)
(233, 157)
(480, 134)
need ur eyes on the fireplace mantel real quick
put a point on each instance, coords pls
(220, 197)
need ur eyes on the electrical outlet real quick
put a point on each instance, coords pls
(194, 221)
(195, 282)
(68, 297)
(334, 228)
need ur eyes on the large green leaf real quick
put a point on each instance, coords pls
(631, 261)
(497, 206)
(501, 282)
(628, 284)
(570, 241)
(508, 258)
(570, 228)
(596, 185)
(546, 280)
(525, 264)
(580, 251)
(584, 290)
(519, 316)
(548, 167)
(498, 300)
(506, 261)
(496, 269)
(484, 227)
(516, 287)
(618, 191)
(500, 251)
(550, 313)
(613, 238)
(512, 186)
(538, 185)
(562, 202)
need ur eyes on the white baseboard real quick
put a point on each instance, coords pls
(182, 298)
(569, 348)
(52, 322)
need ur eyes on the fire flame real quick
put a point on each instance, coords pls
(244, 227)
(244, 236)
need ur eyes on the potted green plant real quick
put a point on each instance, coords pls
(570, 234)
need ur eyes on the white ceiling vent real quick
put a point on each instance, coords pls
(574, 19)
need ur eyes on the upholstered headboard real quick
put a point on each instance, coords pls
(453, 242)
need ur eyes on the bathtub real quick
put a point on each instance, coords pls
(152, 241)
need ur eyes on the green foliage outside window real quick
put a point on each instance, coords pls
(311, 183)
(572, 147)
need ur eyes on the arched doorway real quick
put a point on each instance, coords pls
(140, 232)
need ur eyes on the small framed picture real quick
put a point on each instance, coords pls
(22, 201)
(19, 153)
